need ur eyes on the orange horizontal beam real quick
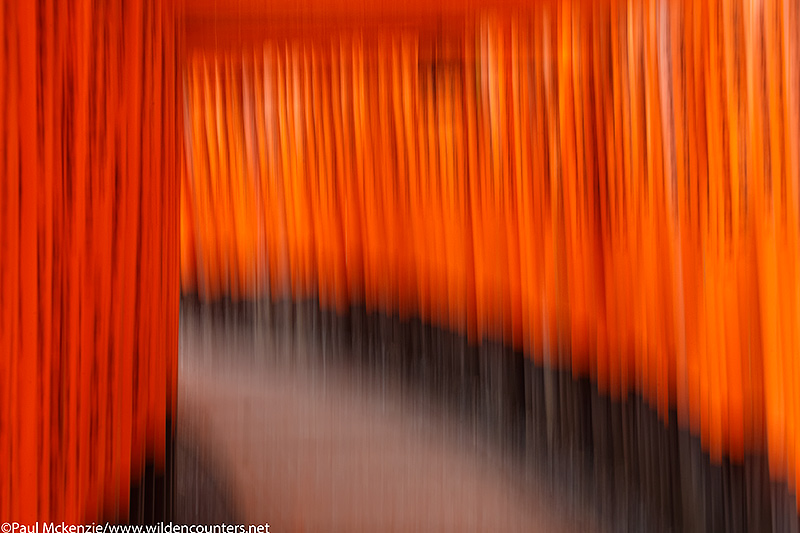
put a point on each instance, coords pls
(364, 9)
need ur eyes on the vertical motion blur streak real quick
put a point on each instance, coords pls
(610, 187)
(89, 254)
(598, 200)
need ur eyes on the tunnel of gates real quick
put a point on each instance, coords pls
(617, 179)
(609, 188)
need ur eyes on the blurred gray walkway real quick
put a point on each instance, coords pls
(306, 447)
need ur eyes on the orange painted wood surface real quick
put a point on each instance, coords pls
(89, 281)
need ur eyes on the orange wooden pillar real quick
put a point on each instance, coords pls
(89, 279)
